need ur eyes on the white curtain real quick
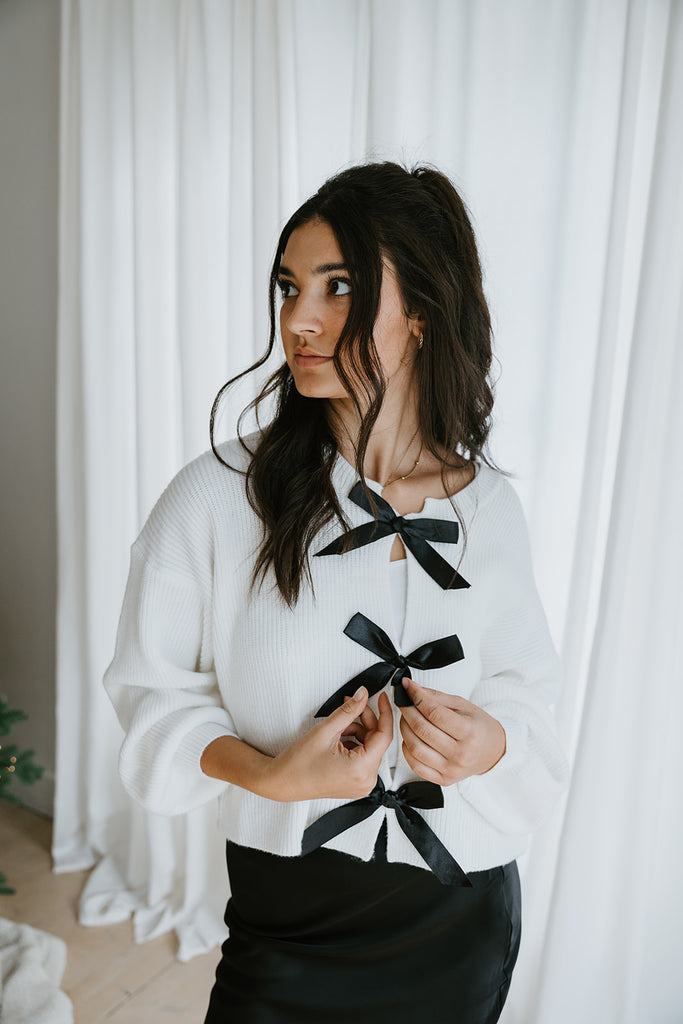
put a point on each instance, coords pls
(190, 130)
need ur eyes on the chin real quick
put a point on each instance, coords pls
(308, 386)
(312, 390)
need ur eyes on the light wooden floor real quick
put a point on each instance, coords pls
(108, 978)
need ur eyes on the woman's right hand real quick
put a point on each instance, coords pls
(319, 765)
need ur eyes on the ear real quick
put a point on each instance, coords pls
(416, 323)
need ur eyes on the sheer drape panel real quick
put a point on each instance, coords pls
(161, 261)
(617, 868)
(181, 153)
(618, 59)
(611, 881)
(190, 130)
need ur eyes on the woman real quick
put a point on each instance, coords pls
(333, 626)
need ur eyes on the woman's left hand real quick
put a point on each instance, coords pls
(446, 738)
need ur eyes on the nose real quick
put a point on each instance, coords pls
(305, 318)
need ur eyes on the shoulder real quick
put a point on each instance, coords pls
(206, 480)
(494, 508)
(205, 496)
(492, 492)
(496, 490)
(210, 471)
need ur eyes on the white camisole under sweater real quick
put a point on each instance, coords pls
(399, 584)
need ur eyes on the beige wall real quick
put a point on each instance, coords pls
(29, 112)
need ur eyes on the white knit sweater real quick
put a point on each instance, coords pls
(199, 656)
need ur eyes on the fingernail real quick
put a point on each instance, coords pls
(405, 681)
(358, 695)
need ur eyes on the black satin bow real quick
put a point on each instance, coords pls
(413, 532)
(403, 801)
(394, 666)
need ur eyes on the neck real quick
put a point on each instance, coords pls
(395, 439)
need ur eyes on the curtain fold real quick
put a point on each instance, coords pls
(589, 948)
(190, 130)
(617, 896)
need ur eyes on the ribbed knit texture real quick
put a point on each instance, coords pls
(199, 656)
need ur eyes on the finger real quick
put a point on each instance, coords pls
(379, 740)
(414, 750)
(416, 692)
(355, 729)
(427, 716)
(367, 716)
(339, 719)
(423, 770)
(448, 700)
(349, 742)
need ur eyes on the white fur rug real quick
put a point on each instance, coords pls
(31, 968)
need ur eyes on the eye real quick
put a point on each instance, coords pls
(287, 289)
(340, 286)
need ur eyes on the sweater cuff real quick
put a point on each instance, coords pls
(509, 765)
(515, 749)
(175, 783)
(517, 793)
(196, 742)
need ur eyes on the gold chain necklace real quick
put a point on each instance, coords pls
(410, 472)
(392, 480)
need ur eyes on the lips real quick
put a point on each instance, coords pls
(310, 360)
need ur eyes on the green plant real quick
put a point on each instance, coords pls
(14, 763)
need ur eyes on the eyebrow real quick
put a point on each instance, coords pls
(324, 268)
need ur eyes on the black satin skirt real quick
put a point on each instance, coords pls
(328, 938)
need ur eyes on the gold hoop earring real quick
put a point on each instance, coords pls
(421, 341)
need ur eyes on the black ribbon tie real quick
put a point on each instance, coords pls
(413, 532)
(393, 666)
(403, 801)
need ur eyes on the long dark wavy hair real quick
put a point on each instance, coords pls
(416, 219)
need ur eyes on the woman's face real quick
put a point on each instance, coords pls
(316, 291)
